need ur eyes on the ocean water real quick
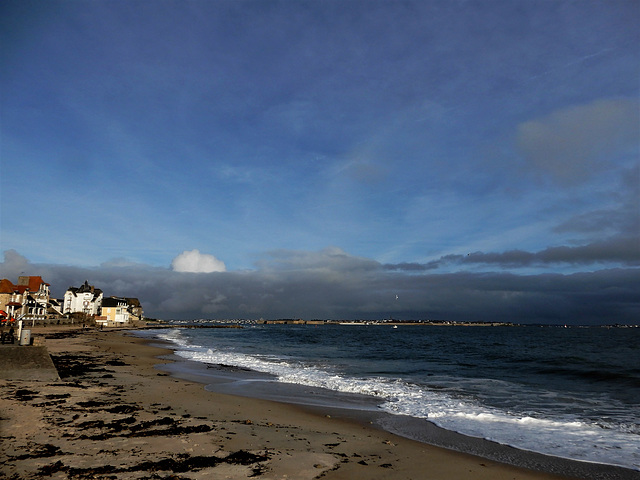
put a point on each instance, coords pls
(567, 392)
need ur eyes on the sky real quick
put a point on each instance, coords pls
(456, 160)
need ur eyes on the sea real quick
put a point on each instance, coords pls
(572, 393)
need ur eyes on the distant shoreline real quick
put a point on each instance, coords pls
(409, 323)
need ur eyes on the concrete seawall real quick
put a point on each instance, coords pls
(27, 363)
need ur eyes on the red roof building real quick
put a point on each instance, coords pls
(29, 298)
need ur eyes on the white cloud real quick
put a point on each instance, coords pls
(195, 262)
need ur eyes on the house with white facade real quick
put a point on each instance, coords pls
(84, 299)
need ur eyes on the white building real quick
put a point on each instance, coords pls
(85, 299)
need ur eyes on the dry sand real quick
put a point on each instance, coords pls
(113, 415)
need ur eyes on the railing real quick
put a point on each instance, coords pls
(40, 321)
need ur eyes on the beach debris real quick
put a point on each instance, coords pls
(76, 365)
(92, 403)
(123, 409)
(181, 463)
(116, 363)
(25, 395)
(38, 451)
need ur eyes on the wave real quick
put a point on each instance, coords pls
(565, 436)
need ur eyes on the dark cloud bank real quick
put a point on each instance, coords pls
(332, 284)
(622, 250)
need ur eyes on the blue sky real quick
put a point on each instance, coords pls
(273, 139)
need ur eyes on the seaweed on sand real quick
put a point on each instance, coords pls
(182, 463)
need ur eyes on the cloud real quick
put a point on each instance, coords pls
(14, 262)
(412, 266)
(118, 263)
(615, 250)
(620, 217)
(625, 251)
(327, 259)
(195, 262)
(574, 143)
(349, 287)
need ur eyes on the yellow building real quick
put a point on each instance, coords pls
(114, 311)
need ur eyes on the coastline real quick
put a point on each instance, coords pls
(241, 382)
(115, 413)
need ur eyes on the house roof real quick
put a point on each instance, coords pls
(134, 302)
(7, 286)
(31, 301)
(85, 288)
(114, 302)
(33, 282)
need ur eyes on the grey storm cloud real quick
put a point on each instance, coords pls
(621, 217)
(301, 285)
(616, 250)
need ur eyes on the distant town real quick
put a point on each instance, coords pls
(239, 322)
(389, 321)
(30, 300)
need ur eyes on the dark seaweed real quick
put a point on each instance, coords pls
(183, 463)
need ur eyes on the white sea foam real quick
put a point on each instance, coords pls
(174, 336)
(565, 437)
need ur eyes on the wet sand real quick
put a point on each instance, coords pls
(113, 414)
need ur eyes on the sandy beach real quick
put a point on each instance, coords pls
(113, 414)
